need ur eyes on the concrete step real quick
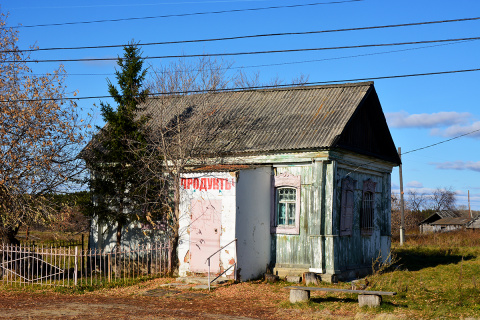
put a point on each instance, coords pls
(201, 280)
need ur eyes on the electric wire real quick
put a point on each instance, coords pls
(250, 36)
(257, 87)
(278, 64)
(363, 165)
(183, 14)
(374, 45)
(435, 144)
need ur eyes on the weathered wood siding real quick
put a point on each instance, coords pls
(307, 249)
(357, 251)
(294, 250)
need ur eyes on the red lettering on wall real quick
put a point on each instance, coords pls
(203, 184)
(215, 183)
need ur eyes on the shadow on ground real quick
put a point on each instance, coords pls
(332, 299)
(417, 259)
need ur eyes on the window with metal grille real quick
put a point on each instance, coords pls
(368, 207)
(286, 202)
(367, 212)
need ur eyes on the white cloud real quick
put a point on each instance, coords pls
(458, 165)
(414, 184)
(425, 120)
(457, 130)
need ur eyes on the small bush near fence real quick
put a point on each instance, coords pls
(68, 267)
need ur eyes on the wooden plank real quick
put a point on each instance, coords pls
(379, 293)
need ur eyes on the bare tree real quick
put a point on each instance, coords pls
(173, 145)
(183, 118)
(443, 199)
(416, 201)
(40, 136)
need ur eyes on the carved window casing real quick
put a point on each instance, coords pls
(347, 206)
(367, 214)
(285, 215)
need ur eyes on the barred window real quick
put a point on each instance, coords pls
(368, 207)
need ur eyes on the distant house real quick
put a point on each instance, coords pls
(301, 177)
(474, 223)
(442, 221)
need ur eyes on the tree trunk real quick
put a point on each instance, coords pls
(118, 243)
(8, 235)
(174, 241)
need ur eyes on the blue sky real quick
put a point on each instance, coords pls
(420, 110)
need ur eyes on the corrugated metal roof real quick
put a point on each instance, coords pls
(451, 221)
(265, 120)
(443, 214)
(447, 214)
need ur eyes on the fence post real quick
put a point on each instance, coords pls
(109, 266)
(170, 259)
(82, 266)
(75, 270)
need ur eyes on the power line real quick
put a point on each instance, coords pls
(260, 87)
(135, 4)
(363, 165)
(252, 52)
(435, 144)
(277, 64)
(183, 14)
(251, 36)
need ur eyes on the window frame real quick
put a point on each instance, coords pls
(346, 216)
(282, 181)
(367, 214)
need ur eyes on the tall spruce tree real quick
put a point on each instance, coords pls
(116, 163)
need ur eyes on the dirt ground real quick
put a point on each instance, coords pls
(151, 300)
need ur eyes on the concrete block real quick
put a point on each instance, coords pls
(369, 300)
(299, 295)
(294, 279)
(330, 278)
(271, 277)
(310, 278)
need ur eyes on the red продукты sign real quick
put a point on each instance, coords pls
(207, 183)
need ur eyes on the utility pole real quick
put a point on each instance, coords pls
(469, 209)
(402, 206)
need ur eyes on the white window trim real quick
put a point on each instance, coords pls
(285, 180)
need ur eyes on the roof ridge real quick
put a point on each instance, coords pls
(276, 89)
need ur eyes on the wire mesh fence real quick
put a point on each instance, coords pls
(50, 266)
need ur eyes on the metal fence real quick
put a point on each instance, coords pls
(21, 265)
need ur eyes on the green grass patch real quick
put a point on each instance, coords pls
(435, 276)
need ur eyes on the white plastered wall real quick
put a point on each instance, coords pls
(227, 196)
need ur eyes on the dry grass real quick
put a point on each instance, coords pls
(436, 276)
